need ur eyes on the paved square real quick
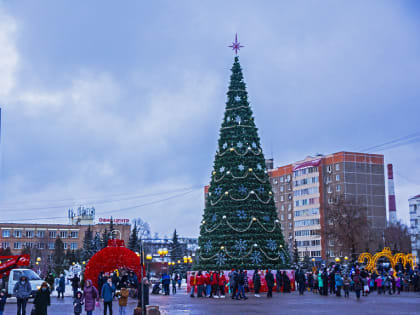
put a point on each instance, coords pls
(406, 303)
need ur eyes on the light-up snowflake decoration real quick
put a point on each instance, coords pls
(242, 189)
(241, 214)
(240, 245)
(271, 244)
(256, 258)
(208, 246)
(220, 259)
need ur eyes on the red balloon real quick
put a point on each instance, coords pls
(112, 257)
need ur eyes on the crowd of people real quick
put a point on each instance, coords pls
(215, 284)
(118, 285)
(333, 280)
(336, 281)
(122, 284)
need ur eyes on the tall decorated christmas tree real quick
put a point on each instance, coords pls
(240, 228)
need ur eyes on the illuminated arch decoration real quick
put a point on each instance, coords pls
(368, 258)
(371, 261)
(386, 252)
(112, 257)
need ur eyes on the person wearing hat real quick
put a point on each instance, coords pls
(22, 290)
(42, 299)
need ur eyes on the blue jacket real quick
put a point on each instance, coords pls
(107, 292)
(338, 280)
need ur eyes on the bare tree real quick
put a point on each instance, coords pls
(346, 225)
(143, 229)
(397, 238)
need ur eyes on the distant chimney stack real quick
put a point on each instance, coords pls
(391, 196)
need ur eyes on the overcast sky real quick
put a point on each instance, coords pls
(118, 105)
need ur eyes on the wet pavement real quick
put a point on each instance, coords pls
(181, 303)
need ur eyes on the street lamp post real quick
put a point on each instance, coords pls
(38, 261)
(162, 253)
(149, 259)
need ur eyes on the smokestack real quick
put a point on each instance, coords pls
(391, 196)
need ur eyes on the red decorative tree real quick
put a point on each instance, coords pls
(112, 257)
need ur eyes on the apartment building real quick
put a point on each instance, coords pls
(303, 189)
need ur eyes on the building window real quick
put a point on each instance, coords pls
(316, 253)
(281, 188)
(282, 217)
(41, 234)
(29, 234)
(288, 178)
(282, 208)
(63, 234)
(337, 167)
(74, 234)
(281, 179)
(289, 196)
(275, 181)
(338, 188)
(5, 233)
(329, 189)
(65, 246)
(52, 234)
(337, 177)
(29, 245)
(289, 207)
(289, 216)
(329, 168)
(41, 245)
(5, 245)
(17, 245)
(297, 203)
(18, 233)
(73, 246)
(290, 225)
(51, 245)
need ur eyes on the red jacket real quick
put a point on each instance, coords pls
(215, 278)
(200, 280)
(192, 280)
(207, 278)
(222, 280)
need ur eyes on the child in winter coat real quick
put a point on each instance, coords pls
(123, 299)
(346, 286)
(3, 298)
(77, 303)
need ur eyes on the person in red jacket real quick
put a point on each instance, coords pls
(192, 283)
(214, 282)
(200, 284)
(222, 284)
(207, 282)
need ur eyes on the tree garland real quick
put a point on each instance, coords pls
(254, 219)
(248, 149)
(216, 180)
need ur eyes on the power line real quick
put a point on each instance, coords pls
(404, 140)
(23, 210)
(116, 210)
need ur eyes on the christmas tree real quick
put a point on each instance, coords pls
(240, 228)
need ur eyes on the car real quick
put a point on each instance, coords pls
(33, 278)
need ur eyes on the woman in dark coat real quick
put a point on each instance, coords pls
(90, 295)
(279, 280)
(256, 279)
(269, 279)
(42, 299)
(286, 283)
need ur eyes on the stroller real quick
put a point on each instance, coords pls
(156, 288)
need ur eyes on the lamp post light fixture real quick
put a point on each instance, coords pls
(337, 259)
